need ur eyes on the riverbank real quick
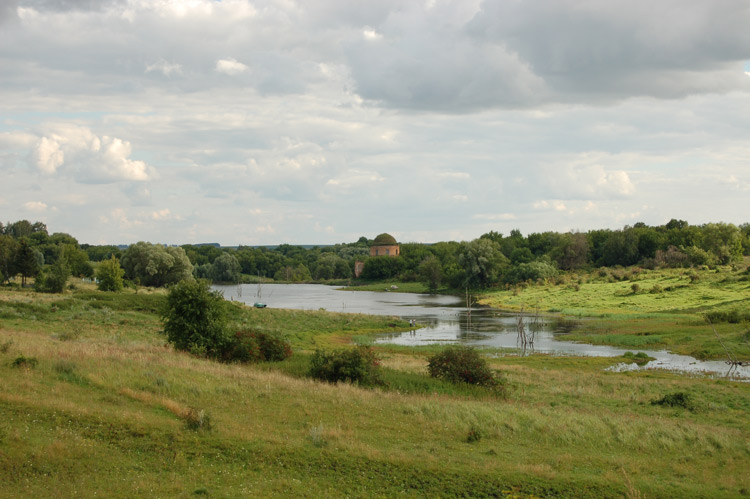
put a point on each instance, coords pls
(101, 406)
(653, 309)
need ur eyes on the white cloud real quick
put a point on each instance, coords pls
(75, 150)
(370, 34)
(35, 206)
(164, 67)
(48, 155)
(230, 66)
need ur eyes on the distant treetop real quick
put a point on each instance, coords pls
(384, 240)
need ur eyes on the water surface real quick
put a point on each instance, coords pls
(447, 319)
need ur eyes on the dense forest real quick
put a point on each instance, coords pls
(28, 250)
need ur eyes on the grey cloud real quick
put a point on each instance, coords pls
(69, 5)
(669, 48)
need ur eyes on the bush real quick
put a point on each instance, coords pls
(24, 362)
(257, 346)
(194, 318)
(461, 364)
(109, 274)
(358, 365)
(54, 279)
(677, 399)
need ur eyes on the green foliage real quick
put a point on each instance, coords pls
(27, 261)
(256, 346)
(225, 268)
(156, 265)
(54, 279)
(24, 362)
(300, 273)
(431, 272)
(462, 364)
(676, 399)
(358, 365)
(194, 318)
(110, 274)
(532, 271)
(733, 316)
(382, 267)
(8, 249)
(481, 261)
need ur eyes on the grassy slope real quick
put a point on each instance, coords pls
(670, 318)
(104, 412)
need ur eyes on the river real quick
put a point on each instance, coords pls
(445, 319)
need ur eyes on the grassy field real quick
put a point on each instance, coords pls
(92, 402)
(637, 308)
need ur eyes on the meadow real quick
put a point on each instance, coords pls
(94, 402)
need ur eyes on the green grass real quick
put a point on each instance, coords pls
(109, 410)
(671, 318)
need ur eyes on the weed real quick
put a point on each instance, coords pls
(475, 434)
(68, 335)
(197, 419)
(639, 358)
(676, 399)
(24, 362)
(5, 346)
(317, 436)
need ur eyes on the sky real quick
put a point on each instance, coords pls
(320, 121)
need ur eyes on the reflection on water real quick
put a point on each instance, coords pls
(445, 319)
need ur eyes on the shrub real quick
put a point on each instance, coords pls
(256, 346)
(54, 279)
(358, 365)
(24, 362)
(194, 318)
(197, 419)
(677, 399)
(109, 274)
(462, 364)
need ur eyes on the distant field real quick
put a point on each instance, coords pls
(644, 308)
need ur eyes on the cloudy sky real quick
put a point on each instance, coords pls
(319, 121)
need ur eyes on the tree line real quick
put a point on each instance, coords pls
(28, 250)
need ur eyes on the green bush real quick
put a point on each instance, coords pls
(54, 279)
(677, 399)
(194, 319)
(462, 364)
(358, 365)
(256, 346)
(24, 362)
(109, 274)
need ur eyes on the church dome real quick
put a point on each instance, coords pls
(384, 240)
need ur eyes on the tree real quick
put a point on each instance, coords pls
(431, 272)
(54, 279)
(195, 318)
(109, 274)
(27, 260)
(225, 268)
(571, 251)
(156, 265)
(482, 261)
(8, 249)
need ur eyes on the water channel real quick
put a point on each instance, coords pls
(446, 319)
